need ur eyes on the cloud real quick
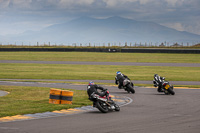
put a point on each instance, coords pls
(177, 26)
(40, 4)
(193, 28)
(4, 4)
(116, 3)
(8, 4)
(121, 3)
(179, 14)
(177, 2)
(75, 2)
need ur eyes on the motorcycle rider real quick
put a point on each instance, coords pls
(158, 81)
(119, 79)
(92, 89)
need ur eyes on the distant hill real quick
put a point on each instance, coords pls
(113, 29)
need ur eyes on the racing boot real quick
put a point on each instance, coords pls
(160, 89)
(94, 104)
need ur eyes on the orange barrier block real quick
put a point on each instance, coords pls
(54, 96)
(66, 97)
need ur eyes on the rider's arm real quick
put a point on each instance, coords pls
(116, 81)
(103, 91)
(126, 77)
(161, 79)
(101, 88)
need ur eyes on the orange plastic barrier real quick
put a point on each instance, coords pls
(54, 96)
(58, 96)
(66, 97)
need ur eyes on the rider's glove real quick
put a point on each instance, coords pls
(105, 90)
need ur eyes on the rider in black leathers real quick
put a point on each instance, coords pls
(158, 81)
(92, 89)
(119, 79)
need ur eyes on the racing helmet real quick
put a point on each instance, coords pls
(118, 72)
(91, 83)
(155, 75)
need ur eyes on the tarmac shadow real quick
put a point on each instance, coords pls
(120, 92)
(98, 112)
(162, 94)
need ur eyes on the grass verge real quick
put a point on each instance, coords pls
(102, 57)
(95, 72)
(28, 100)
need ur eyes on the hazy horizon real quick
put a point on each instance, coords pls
(20, 16)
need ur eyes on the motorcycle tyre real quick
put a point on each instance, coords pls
(166, 92)
(117, 108)
(171, 91)
(131, 89)
(102, 109)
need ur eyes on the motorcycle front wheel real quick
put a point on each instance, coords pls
(171, 91)
(117, 108)
(103, 108)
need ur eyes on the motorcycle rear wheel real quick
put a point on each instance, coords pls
(101, 107)
(131, 89)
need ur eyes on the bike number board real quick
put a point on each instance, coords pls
(167, 86)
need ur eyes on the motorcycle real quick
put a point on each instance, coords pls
(128, 86)
(104, 104)
(166, 87)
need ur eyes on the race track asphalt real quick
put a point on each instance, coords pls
(149, 112)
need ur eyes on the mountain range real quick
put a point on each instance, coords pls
(113, 30)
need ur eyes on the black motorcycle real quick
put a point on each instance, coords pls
(104, 104)
(166, 87)
(128, 86)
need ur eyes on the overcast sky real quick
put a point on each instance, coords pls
(17, 16)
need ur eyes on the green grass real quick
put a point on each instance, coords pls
(101, 57)
(24, 100)
(28, 100)
(92, 72)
